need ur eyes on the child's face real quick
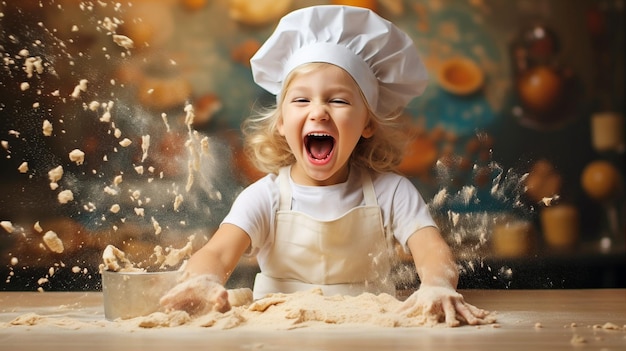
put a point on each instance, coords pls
(323, 118)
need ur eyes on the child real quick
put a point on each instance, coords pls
(329, 210)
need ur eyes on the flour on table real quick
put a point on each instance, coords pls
(304, 309)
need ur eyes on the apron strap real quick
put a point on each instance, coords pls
(284, 202)
(369, 194)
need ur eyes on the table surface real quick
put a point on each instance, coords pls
(569, 319)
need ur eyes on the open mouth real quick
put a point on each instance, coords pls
(319, 145)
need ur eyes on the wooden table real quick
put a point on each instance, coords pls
(569, 319)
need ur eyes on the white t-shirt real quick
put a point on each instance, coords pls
(403, 208)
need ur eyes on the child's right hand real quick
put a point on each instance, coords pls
(196, 295)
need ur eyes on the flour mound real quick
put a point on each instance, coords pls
(306, 309)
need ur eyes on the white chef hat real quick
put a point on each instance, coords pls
(380, 57)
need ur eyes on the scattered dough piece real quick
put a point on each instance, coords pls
(23, 168)
(145, 145)
(139, 211)
(123, 41)
(81, 87)
(77, 156)
(55, 174)
(115, 260)
(8, 226)
(175, 256)
(47, 128)
(65, 196)
(160, 319)
(578, 340)
(53, 242)
(178, 200)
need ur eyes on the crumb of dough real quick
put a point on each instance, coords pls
(178, 200)
(538, 325)
(117, 180)
(125, 142)
(175, 256)
(156, 226)
(23, 168)
(109, 190)
(160, 319)
(115, 260)
(115, 208)
(53, 242)
(8, 226)
(37, 227)
(14, 261)
(55, 174)
(123, 41)
(93, 106)
(139, 211)
(578, 340)
(145, 145)
(27, 319)
(607, 326)
(47, 128)
(81, 87)
(77, 156)
(164, 118)
(65, 196)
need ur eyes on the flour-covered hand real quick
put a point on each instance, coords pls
(444, 304)
(197, 295)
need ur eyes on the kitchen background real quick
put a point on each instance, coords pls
(518, 143)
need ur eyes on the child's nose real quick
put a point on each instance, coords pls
(319, 112)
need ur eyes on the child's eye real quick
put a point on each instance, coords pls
(340, 101)
(300, 100)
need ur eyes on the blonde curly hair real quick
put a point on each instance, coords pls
(269, 151)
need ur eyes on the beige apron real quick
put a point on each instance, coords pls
(348, 255)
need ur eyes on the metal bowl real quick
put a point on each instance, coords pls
(134, 294)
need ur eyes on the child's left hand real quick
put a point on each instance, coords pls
(441, 304)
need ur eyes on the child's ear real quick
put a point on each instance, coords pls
(280, 126)
(368, 130)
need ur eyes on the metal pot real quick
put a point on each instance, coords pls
(134, 294)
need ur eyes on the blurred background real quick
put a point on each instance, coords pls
(119, 125)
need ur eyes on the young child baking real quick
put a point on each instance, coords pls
(329, 210)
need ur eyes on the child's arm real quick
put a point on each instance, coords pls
(433, 258)
(202, 289)
(437, 296)
(221, 254)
